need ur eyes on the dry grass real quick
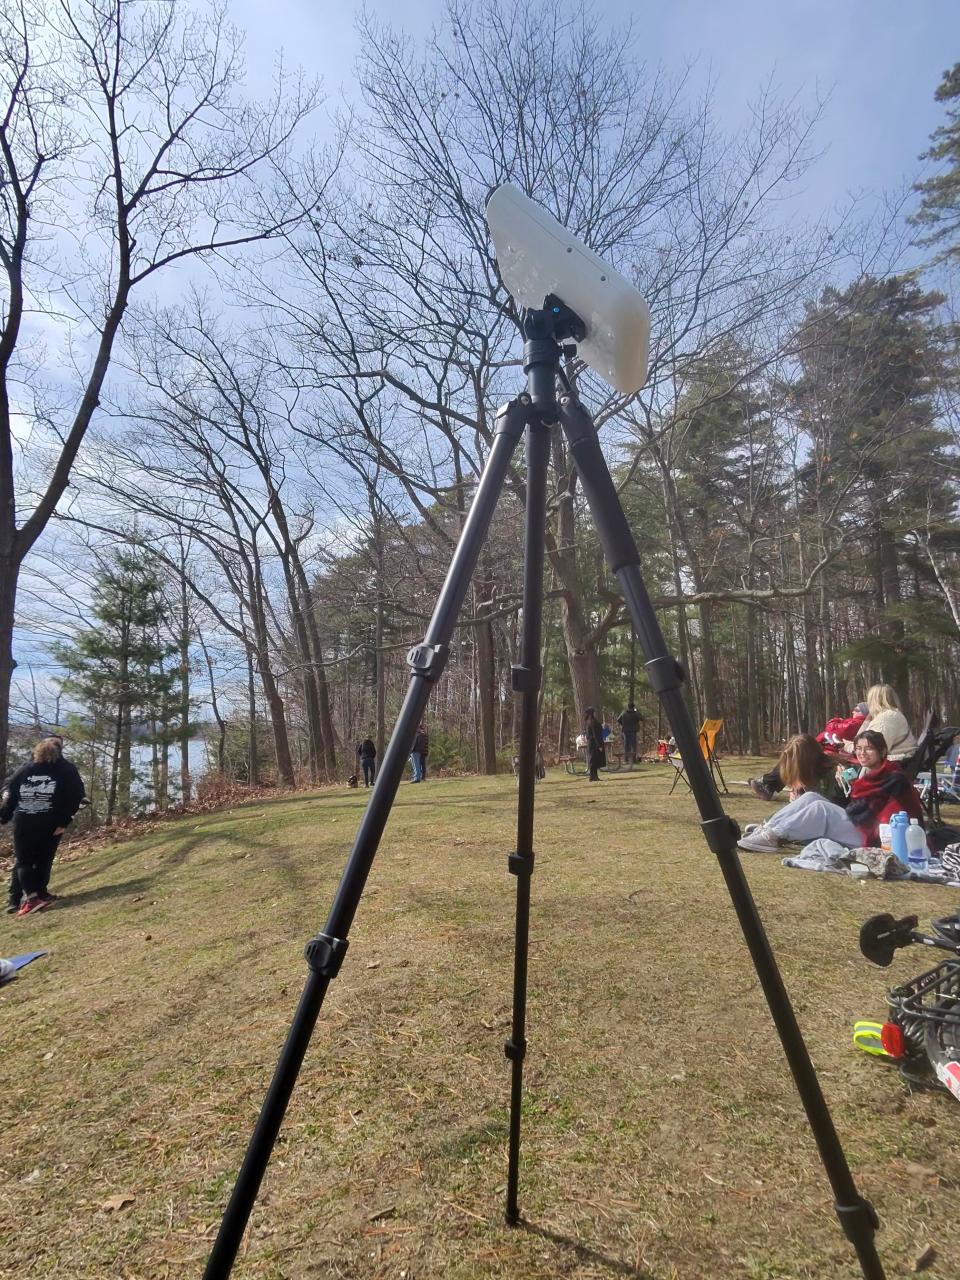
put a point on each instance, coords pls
(662, 1138)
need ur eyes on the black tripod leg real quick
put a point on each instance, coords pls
(857, 1216)
(526, 681)
(325, 952)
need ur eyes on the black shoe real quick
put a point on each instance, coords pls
(759, 790)
(12, 908)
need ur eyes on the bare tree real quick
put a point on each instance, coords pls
(407, 301)
(125, 148)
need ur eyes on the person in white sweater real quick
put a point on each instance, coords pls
(884, 716)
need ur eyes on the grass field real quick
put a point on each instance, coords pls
(662, 1135)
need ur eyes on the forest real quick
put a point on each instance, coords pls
(251, 352)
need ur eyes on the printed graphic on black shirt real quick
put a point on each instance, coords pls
(36, 793)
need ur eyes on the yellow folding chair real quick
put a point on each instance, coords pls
(709, 733)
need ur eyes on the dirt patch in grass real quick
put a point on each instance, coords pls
(662, 1134)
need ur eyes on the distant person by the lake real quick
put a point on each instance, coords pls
(41, 798)
(629, 721)
(596, 754)
(418, 756)
(368, 760)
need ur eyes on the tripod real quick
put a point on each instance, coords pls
(535, 411)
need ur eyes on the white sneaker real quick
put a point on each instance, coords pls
(763, 840)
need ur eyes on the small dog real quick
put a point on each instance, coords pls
(352, 781)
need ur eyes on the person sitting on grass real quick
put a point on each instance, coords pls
(881, 790)
(831, 737)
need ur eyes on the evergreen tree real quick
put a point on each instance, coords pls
(873, 356)
(940, 207)
(118, 671)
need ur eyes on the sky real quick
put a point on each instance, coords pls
(878, 63)
(875, 62)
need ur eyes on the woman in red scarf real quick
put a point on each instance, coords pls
(881, 790)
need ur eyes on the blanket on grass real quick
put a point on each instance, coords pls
(8, 968)
(829, 855)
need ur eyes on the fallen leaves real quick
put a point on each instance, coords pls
(115, 1204)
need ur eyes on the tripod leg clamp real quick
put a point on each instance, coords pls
(721, 834)
(515, 1050)
(325, 954)
(519, 864)
(428, 660)
(665, 674)
(858, 1220)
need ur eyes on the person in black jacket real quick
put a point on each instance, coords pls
(368, 757)
(41, 798)
(418, 756)
(630, 721)
(596, 753)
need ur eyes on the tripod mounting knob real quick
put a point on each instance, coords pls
(324, 954)
(428, 660)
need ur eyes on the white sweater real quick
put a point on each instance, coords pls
(893, 725)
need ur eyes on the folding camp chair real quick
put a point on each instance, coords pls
(709, 733)
(935, 741)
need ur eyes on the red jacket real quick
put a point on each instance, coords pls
(840, 729)
(876, 796)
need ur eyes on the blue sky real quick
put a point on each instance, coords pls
(878, 61)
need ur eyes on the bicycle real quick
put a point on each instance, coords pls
(922, 1031)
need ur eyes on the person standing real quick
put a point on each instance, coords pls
(368, 760)
(630, 721)
(596, 755)
(418, 756)
(41, 798)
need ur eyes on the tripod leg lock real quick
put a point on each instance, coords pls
(428, 660)
(520, 864)
(526, 679)
(325, 954)
(858, 1220)
(721, 834)
(665, 674)
(516, 1050)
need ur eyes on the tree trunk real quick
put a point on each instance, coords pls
(114, 769)
(253, 746)
(9, 571)
(122, 773)
(712, 708)
(185, 782)
(486, 694)
(753, 684)
(893, 668)
(221, 726)
(124, 766)
(577, 634)
(155, 763)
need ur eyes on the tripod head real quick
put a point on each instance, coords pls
(549, 332)
(538, 258)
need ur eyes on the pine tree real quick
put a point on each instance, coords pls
(118, 671)
(872, 358)
(940, 208)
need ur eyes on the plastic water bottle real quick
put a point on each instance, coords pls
(899, 826)
(918, 856)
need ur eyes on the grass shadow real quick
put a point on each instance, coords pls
(585, 1253)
